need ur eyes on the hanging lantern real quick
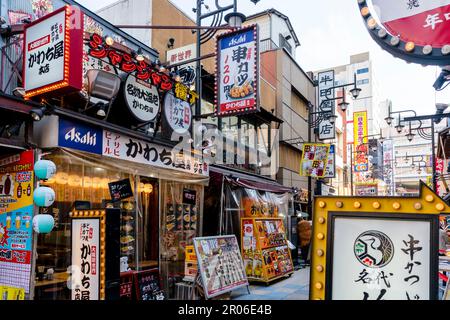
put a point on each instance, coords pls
(44, 169)
(148, 188)
(141, 187)
(43, 223)
(44, 197)
(96, 182)
(62, 178)
(87, 182)
(74, 180)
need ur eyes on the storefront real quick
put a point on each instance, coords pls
(161, 217)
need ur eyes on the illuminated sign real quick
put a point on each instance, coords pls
(376, 248)
(412, 30)
(361, 159)
(53, 53)
(237, 72)
(314, 160)
(142, 99)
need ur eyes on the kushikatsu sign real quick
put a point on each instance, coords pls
(376, 248)
(412, 30)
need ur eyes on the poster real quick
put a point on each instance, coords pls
(381, 259)
(360, 136)
(238, 74)
(148, 285)
(330, 171)
(16, 215)
(86, 258)
(327, 130)
(220, 264)
(314, 160)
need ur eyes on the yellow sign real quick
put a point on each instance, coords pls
(11, 293)
(359, 240)
(360, 140)
(314, 160)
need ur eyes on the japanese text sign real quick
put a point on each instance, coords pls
(314, 160)
(120, 190)
(238, 72)
(376, 248)
(327, 130)
(360, 127)
(177, 113)
(141, 98)
(330, 171)
(53, 53)
(187, 71)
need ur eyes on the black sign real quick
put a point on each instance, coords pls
(148, 286)
(189, 196)
(120, 190)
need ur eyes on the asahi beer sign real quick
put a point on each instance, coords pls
(86, 258)
(79, 136)
(381, 259)
(142, 99)
(238, 72)
(178, 114)
(327, 130)
(52, 48)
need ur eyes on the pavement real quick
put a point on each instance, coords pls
(296, 287)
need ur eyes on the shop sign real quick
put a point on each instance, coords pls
(330, 171)
(53, 53)
(238, 72)
(86, 257)
(120, 190)
(314, 160)
(142, 99)
(412, 30)
(16, 214)
(189, 196)
(16, 17)
(79, 136)
(387, 249)
(148, 285)
(215, 254)
(388, 167)
(178, 114)
(368, 189)
(360, 127)
(118, 146)
(327, 130)
(187, 71)
(440, 171)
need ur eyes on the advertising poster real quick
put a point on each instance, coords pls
(366, 189)
(86, 258)
(238, 74)
(16, 215)
(360, 127)
(381, 259)
(314, 160)
(220, 264)
(330, 171)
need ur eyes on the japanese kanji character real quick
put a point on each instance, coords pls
(413, 4)
(239, 54)
(432, 20)
(85, 295)
(412, 248)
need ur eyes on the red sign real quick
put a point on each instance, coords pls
(53, 52)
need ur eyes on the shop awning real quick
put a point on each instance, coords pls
(249, 181)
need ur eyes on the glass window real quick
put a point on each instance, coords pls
(363, 70)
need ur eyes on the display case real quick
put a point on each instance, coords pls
(264, 249)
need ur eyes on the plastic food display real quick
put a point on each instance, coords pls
(264, 249)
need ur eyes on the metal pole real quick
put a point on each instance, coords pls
(433, 157)
(198, 105)
(310, 110)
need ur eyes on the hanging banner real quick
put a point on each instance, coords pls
(237, 72)
(330, 171)
(53, 45)
(361, 156)
(314, 160)
(327, 130)
(16, 215)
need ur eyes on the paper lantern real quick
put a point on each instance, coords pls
(43, 223)
(44, 196)
(74, 180)
(148, 188)
(62, 178)
(141, 187)
(96, 182)
(87, 182)
(44, 169)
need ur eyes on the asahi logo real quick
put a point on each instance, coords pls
(88, 138)
(238, 40)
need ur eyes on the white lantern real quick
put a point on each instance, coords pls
(44, 196)
(44, 169)
(43, 223)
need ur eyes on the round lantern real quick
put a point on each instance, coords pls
(74, 180)
(96, 182)
(43, 223)
(148, 188)
(44, 169)
(62, 178)
(87, 182)
(44, 196)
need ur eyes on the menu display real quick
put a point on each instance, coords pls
(120, 189)
(148, 285)
(264, 249)
(220, 264)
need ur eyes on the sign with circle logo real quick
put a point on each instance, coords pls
(373, 249)
(142, 99)
(178, 114)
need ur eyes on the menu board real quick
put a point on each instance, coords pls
(220, 264)
(181, 217)
(120, 189)
(148, 285)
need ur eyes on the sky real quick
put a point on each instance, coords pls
(329, 32)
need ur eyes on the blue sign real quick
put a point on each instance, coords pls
(237, 39)
(79, 136)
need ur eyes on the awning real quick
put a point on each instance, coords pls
(249, 181)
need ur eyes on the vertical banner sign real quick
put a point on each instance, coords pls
(330, 171)
(327, 130)
(314, 160)
(439, 171)
(237, 72)
(53, 51)
(16, 215)
(186, 71)
(360, 141)
(86, 258)
(388, 166)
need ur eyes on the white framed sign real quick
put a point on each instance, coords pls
(86, 259)
(186, 71)
(178, 114)
(387, 257)
(142, 99)
(327, 130)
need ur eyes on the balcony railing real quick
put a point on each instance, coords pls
(11, 59)
(267, 45)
